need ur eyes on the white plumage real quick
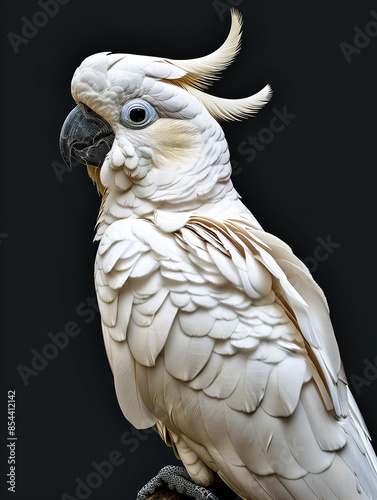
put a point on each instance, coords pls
(216, 333)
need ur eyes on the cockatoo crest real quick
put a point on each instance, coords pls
(201, 72)
(194, 75)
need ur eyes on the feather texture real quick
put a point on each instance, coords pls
(232, 109)
(235, 385)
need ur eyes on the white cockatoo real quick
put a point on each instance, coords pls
(217, 335)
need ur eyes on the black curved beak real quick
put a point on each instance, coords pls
(86, 137)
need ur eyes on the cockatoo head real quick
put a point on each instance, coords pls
(143, 125)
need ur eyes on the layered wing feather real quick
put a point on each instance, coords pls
(218, 335)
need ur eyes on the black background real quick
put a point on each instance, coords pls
(315, 178)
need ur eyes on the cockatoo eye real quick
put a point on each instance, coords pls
(138, 114)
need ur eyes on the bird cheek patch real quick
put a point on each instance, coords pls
(175, 143)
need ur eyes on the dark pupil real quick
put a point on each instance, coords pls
(137, 115)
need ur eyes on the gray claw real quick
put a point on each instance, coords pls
(178, 479)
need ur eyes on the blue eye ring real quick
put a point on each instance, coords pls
(138, 113)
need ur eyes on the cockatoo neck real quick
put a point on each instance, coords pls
(168, 173)
(220, 202)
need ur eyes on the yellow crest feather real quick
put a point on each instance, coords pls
(201, 72)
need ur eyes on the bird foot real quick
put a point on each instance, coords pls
(178, 479)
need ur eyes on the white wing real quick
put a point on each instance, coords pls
(217, 333)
